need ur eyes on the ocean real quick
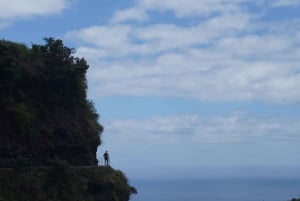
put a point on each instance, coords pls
(218, 189)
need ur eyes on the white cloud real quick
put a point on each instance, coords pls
(137, 14)
(14, 9)
(195, 75)
(251, 67)
(124, 40)
(195, 130)
(191, 7)
(110, 38)
(181, 9)
(227, 57)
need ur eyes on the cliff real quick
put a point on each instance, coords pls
(44, 112)
(64, 183)
(45, 120)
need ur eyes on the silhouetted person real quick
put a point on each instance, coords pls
(106, 158)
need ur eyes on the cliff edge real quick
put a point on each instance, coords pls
(47, 124)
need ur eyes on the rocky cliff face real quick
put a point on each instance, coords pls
(44, 112)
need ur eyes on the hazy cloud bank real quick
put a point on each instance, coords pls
(193, 129)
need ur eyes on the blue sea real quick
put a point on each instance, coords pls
(222, 189)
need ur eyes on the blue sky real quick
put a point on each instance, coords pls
(181, 86)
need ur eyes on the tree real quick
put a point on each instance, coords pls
(44, 111)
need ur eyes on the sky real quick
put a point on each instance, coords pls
(183, 88)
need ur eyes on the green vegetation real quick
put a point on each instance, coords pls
(44, 111)
(49, 130)
(64, 183)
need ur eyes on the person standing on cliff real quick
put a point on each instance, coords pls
(106, 158)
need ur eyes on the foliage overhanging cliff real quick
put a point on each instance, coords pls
(44, 113)
(49, 130)
(61, 182)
